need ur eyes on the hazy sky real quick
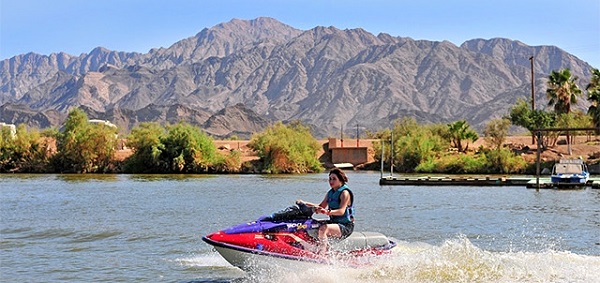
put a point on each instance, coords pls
(78, 26)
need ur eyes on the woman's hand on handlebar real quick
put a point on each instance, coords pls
(320, 210)
(301, 202)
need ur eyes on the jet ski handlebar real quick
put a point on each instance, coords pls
(298, 211)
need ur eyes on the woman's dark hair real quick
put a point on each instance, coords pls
(340, 175)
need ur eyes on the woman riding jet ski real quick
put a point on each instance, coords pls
(290, 236)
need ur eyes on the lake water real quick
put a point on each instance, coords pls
(148, 228)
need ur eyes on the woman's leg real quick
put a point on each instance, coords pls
(325, 231)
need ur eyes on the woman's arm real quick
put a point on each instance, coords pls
(323, 203)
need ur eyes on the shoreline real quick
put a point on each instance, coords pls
(585, 147)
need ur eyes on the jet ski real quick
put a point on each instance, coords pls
(290, 237)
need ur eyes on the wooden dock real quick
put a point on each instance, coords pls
(453, 181)
(529, 182)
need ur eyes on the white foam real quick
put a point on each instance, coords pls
(212, 259)
(456, 260)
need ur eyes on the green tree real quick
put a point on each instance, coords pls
(25, 152)
(461, 131)
(503, 160)
(186, 149)
(522, 115)
(145, 142)
(496, 131)
(180, 148)
(562, 91)
(6, 150)
(286, 149)
(575, 119)
(413, 144)
(593, 92)
(70, 157)
(84, 147)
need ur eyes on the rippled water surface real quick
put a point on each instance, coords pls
(148, 228)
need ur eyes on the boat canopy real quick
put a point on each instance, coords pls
(569, 166)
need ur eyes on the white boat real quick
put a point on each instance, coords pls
(569, 173)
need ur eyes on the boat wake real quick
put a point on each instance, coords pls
(205, 260)
(455, 260)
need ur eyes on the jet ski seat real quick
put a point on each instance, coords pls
(358, 241)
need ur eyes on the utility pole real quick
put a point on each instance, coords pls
(381, 168)
(537, 162)
(342, 136)
(357, 142)
(392, 154)
(532, 95)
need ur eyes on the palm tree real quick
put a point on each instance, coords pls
(593, 89)
(562, 92)
(459, 131)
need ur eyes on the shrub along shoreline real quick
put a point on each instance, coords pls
(85, 147)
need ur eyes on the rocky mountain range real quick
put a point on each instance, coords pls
(238, 77)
